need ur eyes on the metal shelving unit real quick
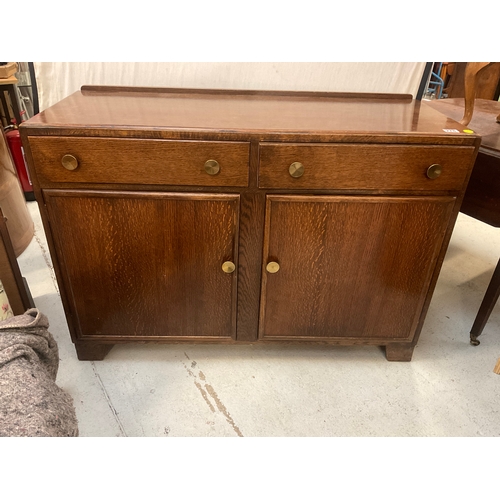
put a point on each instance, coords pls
(20, 98)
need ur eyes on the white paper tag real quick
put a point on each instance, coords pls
(451, 130)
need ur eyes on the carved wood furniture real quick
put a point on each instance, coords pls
(487, 84)
(178, 215)
(473, 72)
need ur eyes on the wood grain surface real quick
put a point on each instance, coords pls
(483, 122)
(482, 196)
(148, 265)
(139, 232)
(275, 94)
(363, 166)
(237, 114)
(135, 161)
(352, 267)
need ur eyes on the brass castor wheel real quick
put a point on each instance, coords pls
(474, 341)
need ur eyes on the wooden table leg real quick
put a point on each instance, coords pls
(487, 305)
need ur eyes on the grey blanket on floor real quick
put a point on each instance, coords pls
(31, 404)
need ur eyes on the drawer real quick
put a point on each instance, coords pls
(363, 166)
(140, 161)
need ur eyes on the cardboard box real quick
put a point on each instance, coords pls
(8, 70)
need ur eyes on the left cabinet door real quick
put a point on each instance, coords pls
(139, 265)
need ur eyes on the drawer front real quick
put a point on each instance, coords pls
(363, 166)
(140, 161)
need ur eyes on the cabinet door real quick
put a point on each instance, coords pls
(349, 267)
(147, 265)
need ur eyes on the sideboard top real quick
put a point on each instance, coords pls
(223, 114)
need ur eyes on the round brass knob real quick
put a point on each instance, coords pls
(434, 171)
(228, 267)
(296, 169)
(69, 162)
(272, 267)
(212, 167)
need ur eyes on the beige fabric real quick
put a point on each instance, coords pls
(58, 80)
(31, 403)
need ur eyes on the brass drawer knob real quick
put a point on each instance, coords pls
(434, 171)
(272, 267)
(69, 162)
(228, 267)
(296, 169)
(212, 167)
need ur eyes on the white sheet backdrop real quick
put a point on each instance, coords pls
(60, 79)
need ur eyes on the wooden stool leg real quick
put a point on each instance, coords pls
(487, 305)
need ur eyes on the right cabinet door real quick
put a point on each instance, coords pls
(349, 266)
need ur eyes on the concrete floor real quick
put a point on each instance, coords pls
(449, 389)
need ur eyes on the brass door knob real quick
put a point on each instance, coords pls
(434, 171)
(296, 169)
(212, 167)
(228, 267)
(69, 162)
(272, 267)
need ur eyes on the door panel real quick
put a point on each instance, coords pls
(350, 267)
(147, 264)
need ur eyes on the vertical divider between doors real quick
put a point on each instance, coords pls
(252, 207)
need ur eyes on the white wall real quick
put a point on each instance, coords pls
(58, 80)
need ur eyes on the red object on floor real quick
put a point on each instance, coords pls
(16, 149)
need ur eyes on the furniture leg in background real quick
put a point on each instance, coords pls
(482, 196)
(472, 74)
(489, 301)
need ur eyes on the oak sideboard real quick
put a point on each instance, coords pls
(188, 215)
